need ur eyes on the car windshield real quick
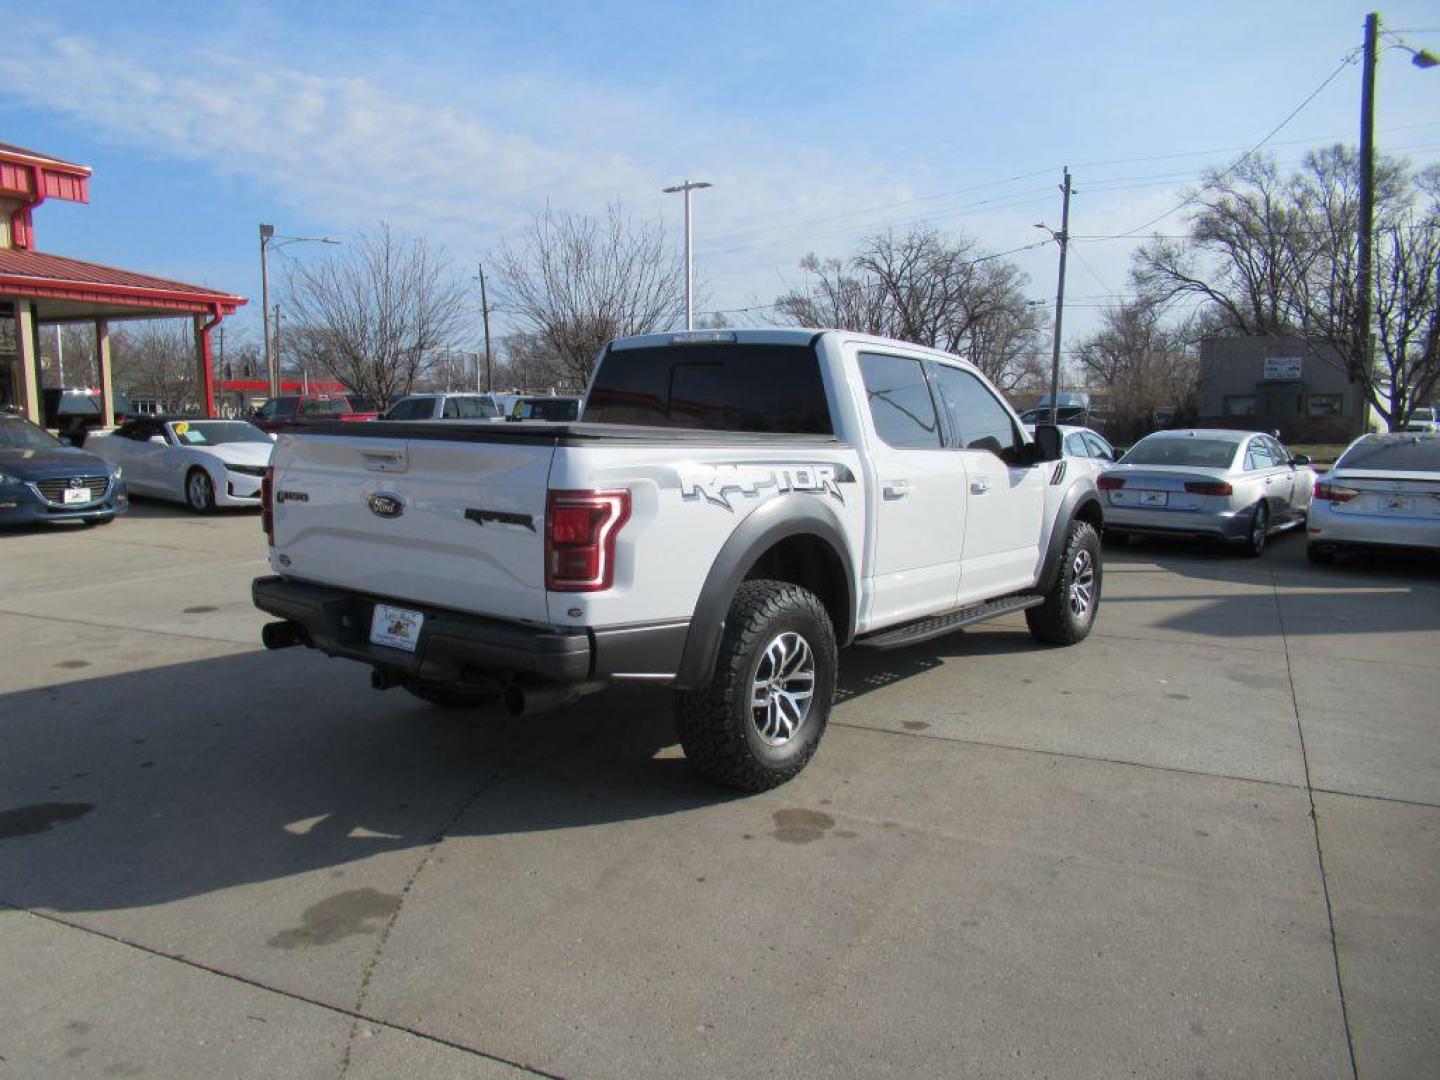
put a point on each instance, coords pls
(20, 435)
(216, 432)
(1182, 450)
(1395, 455)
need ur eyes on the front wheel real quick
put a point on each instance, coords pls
(760, 720)
(1069, 609)
(200, 491)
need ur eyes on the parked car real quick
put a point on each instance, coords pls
(555, 409)
(302, 410)
(75, 413)
(470, 406)
(1084, 449)
(733, 507)
(1236, 486)
(42, 479)
(1383, 492)
(1426, 421)
(200, 462)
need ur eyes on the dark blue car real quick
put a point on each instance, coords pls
(41, 479)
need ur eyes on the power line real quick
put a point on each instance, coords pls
(1345, 62)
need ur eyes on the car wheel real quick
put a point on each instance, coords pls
(760, 720)
(448, 697)
(1255, 539)
(1069, 609)
(1320, 554)
(199, 491)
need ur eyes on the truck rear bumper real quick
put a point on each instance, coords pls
(456, 648)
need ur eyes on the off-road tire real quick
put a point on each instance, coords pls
(717, 725)
(202, 501)
(1056, 621)
(449, 698)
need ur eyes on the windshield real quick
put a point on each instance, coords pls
(216, 432)
(1397, 455)
(1182, 450)
(21, 435)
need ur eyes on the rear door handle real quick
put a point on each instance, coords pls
(979, 487)
(894, 490)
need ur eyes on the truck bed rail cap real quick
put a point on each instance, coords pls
(762, 336)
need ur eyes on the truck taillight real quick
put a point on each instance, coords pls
(580, 531)
(1110, 483)
(1334, 492)
(1208, 487)
(267, 505)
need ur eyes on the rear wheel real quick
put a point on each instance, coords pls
(1259, 531)
(1069, 609)
(200, 491)
(760, 720)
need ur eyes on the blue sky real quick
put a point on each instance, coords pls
(816, 122)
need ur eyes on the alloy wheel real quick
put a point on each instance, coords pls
(1081, 594)
(783, 689)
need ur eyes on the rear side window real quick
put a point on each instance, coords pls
(900, 403)
(1076, 446)
(722, 387)
(451, 411)
(412, 409)
(1259, 455)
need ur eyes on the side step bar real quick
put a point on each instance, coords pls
(934, 626)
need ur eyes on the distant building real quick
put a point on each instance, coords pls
(1297, 387)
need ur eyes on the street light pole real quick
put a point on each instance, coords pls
(687, 187)
(1361, 356)
(485, 314)
(266, 232)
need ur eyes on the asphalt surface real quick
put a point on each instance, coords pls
(1206, 842)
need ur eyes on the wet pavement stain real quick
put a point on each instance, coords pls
(1178, 697)
(200, 609)
(914, 725)
(40, 817)
(357, 911)
(801, 826)
(73, 664)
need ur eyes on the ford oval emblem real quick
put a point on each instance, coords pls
(385, 505)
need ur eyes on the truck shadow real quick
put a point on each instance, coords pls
(151, 786)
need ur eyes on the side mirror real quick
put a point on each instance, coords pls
(1300, 459)
(1048, 444)
(158, 440)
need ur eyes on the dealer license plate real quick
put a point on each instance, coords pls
(1154, 498)
(396, 627)
(75, 495)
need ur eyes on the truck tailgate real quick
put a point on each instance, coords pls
(455, 524)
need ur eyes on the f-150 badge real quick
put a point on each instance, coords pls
(716, 483)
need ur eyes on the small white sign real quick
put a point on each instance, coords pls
(1284, 368)
(75, 495)
(396, 627)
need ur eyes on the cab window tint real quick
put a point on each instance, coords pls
(451, 411)
(900, 402)
(977, 419)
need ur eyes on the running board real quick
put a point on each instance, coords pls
(939, 625)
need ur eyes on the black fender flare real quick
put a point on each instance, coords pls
(1080, 497)
(793, 514)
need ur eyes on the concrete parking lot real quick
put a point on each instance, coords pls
(1205, 843)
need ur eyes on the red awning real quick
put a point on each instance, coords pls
(35, 275)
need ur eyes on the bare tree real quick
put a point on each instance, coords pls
(573, 282)
(373, 314)
(1273, 254)
(156, 360)
(923, 287)
(1144, 365)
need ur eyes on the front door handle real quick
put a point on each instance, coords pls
(979, 487)
(894, 490)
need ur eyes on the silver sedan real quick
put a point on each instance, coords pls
(1383, 492)
(1237, 486)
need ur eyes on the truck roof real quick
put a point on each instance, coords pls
(770, 335)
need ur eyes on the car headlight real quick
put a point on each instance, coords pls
(119, 473)
(8, 478)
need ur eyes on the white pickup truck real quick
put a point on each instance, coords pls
(732, 509)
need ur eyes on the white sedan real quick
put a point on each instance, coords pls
(1084, 449)
(202, 463)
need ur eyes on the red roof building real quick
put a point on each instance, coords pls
(38, 288)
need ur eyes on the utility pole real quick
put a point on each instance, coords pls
(687, 187)
(485, 314)
(1361, 358)
(1064, 240)
(275, 371)
(60, 352)
(271, 375)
